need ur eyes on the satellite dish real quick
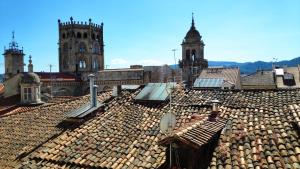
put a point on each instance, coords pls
(167, 123)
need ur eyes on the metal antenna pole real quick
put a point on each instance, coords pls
(50, 66)
(174, 51)
(170, 154)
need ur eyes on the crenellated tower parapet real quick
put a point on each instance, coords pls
(81, 46)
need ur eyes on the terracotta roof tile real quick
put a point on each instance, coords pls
(21, 133)
(258, 134)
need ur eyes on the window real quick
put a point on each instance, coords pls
(187, 55)
(93, 36)
(78, 35)
(193, 54)
(82, 47)
(98, 37)
(63, 35)
(85, 35)
(95, 64)
(27, 93)
(82, 64)
(96, 48)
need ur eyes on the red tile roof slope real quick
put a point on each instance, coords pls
(195, 134)
(126, 134)
(23, 132)
(2, 89)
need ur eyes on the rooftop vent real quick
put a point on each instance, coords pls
(89, 107)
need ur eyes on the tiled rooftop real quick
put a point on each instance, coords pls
(22, 132)
(262, 79)
(259, 132)
(231, 75)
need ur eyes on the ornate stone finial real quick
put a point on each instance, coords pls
(90, 20)
(58, 20)
(71, 19)
(13, 35)
(30, 65)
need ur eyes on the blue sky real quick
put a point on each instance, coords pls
(145, 31)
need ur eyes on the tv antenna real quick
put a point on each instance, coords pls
(51, 90)
(168, 120)
(167, 124)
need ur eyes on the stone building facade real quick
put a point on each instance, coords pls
(81, 47)
(192, 55)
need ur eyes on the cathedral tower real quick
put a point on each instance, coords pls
(192, 55)
(13, 58)
(81, 47)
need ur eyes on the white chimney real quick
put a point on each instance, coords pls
(92, 79)
(94, 96)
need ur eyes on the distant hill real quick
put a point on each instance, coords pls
(250, 67)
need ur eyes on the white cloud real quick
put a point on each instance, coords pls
(150, 62)
(119, 61)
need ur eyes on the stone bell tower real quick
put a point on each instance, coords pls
(81, 46)
(13, 58)
(192, 55)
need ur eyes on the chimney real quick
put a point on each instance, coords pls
(92, 79)
(94, 96)
(117, 90)
(215, 110)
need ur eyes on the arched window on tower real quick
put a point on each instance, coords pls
(82, 64)
(82, 47)
(95, 64)
(84, 35)
(96, 48)
(93, 36)
(63, 35)
(98, 37)
(193, 55)
(187, 55)
(78, 35)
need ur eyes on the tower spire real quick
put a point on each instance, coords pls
(193, 23)
(13, 35)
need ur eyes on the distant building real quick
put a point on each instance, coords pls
(81, 47)
(219, 77)
(288, 77)
(192, 55)
(262, 79)
(26, 85)
(13, 58)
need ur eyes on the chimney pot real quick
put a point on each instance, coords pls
(215, 110)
